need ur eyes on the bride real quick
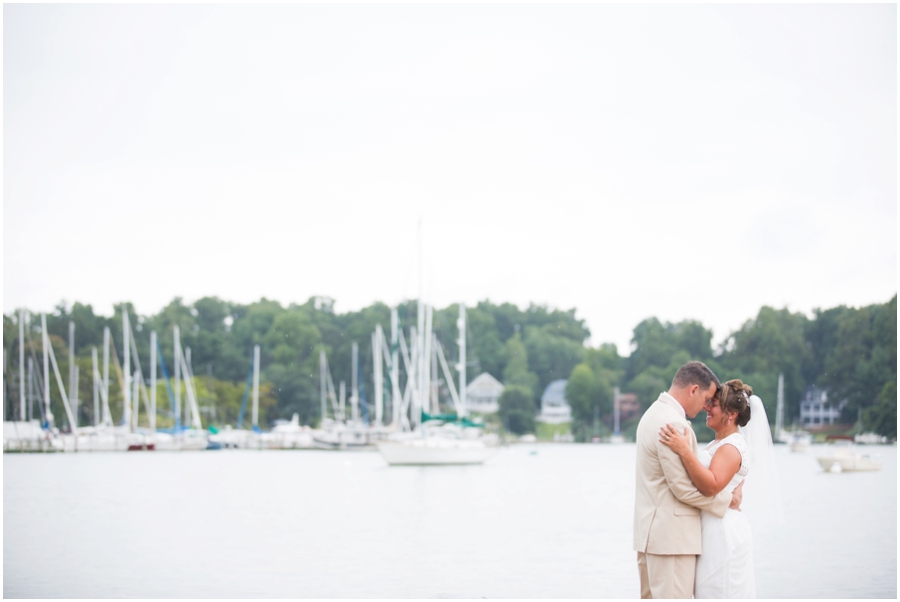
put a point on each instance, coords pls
(725, 568)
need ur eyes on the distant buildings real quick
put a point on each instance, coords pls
(814, 408)
(554, 409)
(483, 394)
(629, 406)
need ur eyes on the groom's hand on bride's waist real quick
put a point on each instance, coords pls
(736, 496)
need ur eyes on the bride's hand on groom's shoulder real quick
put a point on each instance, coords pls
(678, 442)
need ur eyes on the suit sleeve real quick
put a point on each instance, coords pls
(683, 488)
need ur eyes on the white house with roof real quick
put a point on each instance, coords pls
(815, 410)
(483, 394)
(554, 408)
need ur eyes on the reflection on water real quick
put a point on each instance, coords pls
(556, 523)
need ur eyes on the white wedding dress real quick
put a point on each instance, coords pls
(725, 566)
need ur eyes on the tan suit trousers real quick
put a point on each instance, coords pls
(667, 575)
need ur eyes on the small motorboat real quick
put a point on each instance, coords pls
(844, 457)
(800, 441)
(869, 438)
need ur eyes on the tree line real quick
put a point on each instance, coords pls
(849, 351)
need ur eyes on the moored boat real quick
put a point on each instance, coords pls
(335, 434)
(435, 451)
(800, 441)
(28, 437)
(843, 457)
(447, 443)
(869, 438)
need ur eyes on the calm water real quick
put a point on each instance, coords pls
(556, 523)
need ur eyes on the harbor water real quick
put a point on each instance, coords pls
(535, 521)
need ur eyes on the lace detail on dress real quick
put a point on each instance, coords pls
(736, 440)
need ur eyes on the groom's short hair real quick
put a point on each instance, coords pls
(695, 373)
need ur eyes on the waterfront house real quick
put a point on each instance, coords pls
(554, 408)
(629, 406)
(483, 394)
(815, 409)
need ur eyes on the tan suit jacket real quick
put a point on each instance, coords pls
(666, 503)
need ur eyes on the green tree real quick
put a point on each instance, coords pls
(551, 356)
(485, 347)
(582, 393)
(516, 371)
(517, 409)
(864, 357)
(882, 417)
(773, 343)
(655, 343)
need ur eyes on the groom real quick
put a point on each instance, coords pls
(667, 504)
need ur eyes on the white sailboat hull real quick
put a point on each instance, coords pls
(99, 442)
(336, 435)
(119, 440)
(29, 437)
(430, 452)
(286, 440)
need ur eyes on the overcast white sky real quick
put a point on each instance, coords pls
(694, 161)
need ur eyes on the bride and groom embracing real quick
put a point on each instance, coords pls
(689, 531)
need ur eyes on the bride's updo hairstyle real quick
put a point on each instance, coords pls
(734, 396)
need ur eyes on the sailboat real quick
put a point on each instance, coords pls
(28, 434)
(340, 431)
(434, 439)
(188, 435)
(238, 437)
(799, 441)
(103, 435)
(287, 435)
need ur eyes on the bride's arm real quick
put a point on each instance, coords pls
(709, 481)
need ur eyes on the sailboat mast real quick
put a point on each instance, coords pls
(354, 382)
(255, 387)
(73, 396)
(426, 358)
(107, 415)
(177, 336)
(136, 397)
(45, 340)
(462, 359)
(413, 379)
(75, 399)
(433, 389)
(21, 365)
(59, 381)
(152, 380)
(322, 385)
(395, 369)
(126, 348)
(188, 385)
(30, 388)
(96, 386)
(378, 373)
(419, 361)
